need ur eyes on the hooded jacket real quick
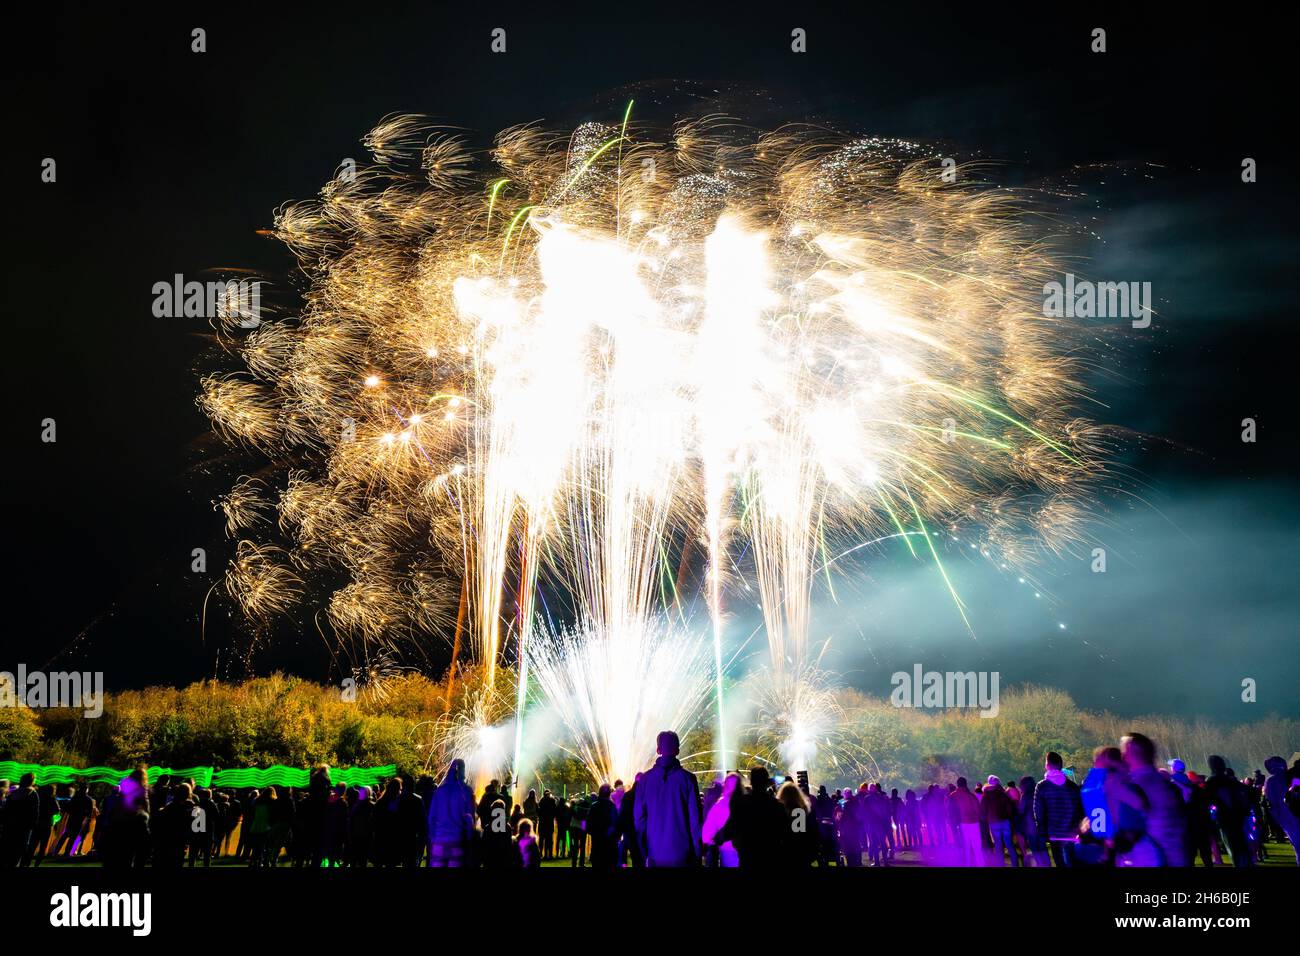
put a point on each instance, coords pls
(1058, 806)
(451, 810)
(667, 814)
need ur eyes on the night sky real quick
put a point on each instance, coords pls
(169, 161)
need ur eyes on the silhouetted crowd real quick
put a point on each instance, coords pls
(1126, 812)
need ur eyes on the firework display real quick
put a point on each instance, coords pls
(831, 443)
(537, 402)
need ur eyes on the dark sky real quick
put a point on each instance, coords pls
(169, 161)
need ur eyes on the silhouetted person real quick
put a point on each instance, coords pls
(21, 812)
(1165, 821)
(123, 822)
(47, 809)
(546, 808)
(1035, 845)
(756, 824)
(490, 796)
(203, 826)
(170, 825)
(997, 813)
(530, 855)
(933, 813)
(799, 842)
(1114, 816)
(1058, 810)
(361, 829)
(259, 835)
(894, 833)
(824, 811)
(722, 851)
(75, 818)
(879, 813)
(498, 843)
(578, 831)
(629, 847)
(1275, 792)
(226, 820)
(131, 842)
(1228, 801)
(602, 830)
(413, 826)
(667, 811)
(912, 818)
(563, 817)
(451, 819)
(848, 829)
(388, 825)
(309, 820)
(283, 812)
(964, 819)
(334, 836)
(247, 807)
